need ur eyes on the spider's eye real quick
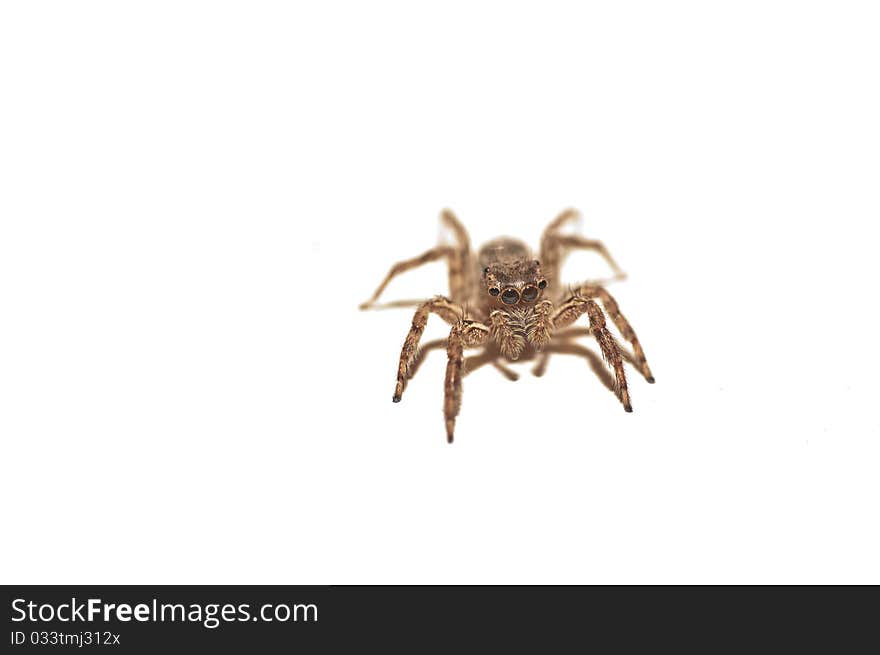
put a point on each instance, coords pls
(510, 297)
(542, 284)
(486, 271)
(530, 293)
(494, 291)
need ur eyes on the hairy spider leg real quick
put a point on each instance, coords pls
(568, 348)
(464, 334)
(570, 311)
(462, 283)
(626, 330)
(565, 337)
(458, 259)
(445, 309)
(432, 255)
(474, 362)
(555, 248)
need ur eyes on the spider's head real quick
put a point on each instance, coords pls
(514, 282)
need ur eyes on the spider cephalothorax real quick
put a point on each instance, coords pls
(509, 276)
(512, 305)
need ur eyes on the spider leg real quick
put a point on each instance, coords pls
(464, 334)
(540, 366)
(461, 281)
(555, 247)
(565, 216)
(474, 362)
(471, 364)
(577, 242)
(506, 371)
(576, 332)
(575, 307)
(431, 255)
(422, 354)
(592, 358)
(448, 311)
(394, 304)
(572, 333)
(458, 259)
(551, 251)
(623, 326)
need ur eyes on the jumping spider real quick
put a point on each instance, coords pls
(514, 307)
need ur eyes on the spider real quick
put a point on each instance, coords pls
(513, 306)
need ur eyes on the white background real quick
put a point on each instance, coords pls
(196, 196)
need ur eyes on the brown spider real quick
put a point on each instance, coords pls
(513, 306)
